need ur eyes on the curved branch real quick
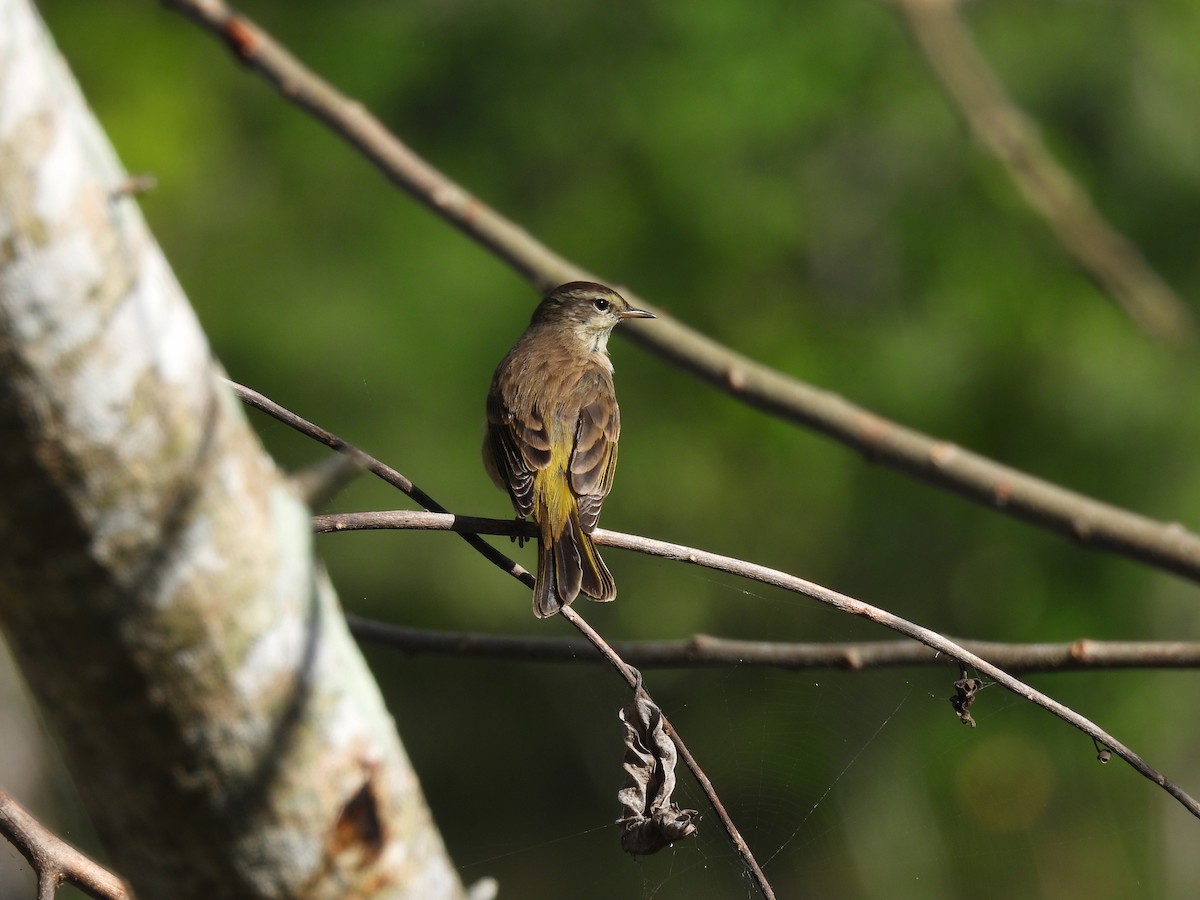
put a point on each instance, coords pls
(394, 478)
(1099, 525)
(54, 860)
(406, 519)
(1048, 188)
(704, 650)
(473, 526)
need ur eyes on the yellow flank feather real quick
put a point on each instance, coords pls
(553, 501)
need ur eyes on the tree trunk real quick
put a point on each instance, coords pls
(157, 582)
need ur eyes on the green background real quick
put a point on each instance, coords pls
(787, 178)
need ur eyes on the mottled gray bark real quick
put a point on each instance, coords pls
(157, 583)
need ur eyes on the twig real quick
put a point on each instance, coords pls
(54, 860)
(765, 575)
(320, 482)
(703, 650)
(390, 475)
(1098, 525)
(380, 469)
(1013, 139)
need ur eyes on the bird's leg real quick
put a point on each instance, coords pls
(519, 538)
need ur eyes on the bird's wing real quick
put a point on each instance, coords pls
(518, 445)
(594, 460)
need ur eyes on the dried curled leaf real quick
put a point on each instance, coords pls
(965, 690)
(652, 819)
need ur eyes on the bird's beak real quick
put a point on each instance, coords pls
(637, 314)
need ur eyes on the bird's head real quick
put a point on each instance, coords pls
(588, 310)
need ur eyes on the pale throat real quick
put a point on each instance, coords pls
(596, 341)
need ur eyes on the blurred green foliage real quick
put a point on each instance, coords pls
(788, 178)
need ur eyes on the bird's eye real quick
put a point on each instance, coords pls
(601, 304)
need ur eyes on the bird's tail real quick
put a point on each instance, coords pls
(567, 565)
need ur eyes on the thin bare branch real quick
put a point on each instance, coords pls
(54, 860)
(447, 522)
(394, 478)
(1012, 137)
(704, 650)
(1098, 525)
(264, 404)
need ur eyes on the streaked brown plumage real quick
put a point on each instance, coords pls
(552, 430)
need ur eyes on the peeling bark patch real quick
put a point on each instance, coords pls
(359, 830)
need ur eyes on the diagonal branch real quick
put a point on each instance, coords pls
(380, 469)
(704, 650)
(394, 478)
(764, 575)
(54, 860)
(1092, 523)
(1049, 189)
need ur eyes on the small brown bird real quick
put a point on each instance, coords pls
(552, 430)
